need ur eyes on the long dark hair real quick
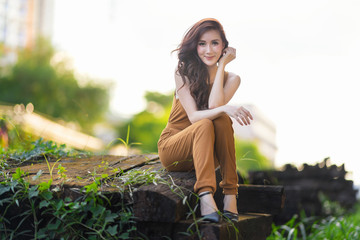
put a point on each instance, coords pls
(191, 67)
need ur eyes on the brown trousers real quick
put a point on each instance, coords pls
(202, 146)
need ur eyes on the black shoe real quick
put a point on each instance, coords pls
(231, 216)
(212, 217)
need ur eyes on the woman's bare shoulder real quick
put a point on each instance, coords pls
(180, 81)
(233, 78)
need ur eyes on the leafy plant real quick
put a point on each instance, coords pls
(39, 149)
(42, 215)
(346, 226)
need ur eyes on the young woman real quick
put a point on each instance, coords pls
(199, 133)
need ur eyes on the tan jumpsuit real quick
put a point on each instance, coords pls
(203, 146)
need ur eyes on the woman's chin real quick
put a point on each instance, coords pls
(209, 63)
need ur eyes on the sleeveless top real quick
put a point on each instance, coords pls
(178, 119)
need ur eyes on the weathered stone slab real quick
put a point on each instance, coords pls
(160, 209)
(249, 226)
(81, 171)
(160, 203)
(261, 199)
(164, 202)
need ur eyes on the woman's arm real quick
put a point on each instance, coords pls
(187, 101)
(222, 93)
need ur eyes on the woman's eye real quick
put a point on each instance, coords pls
(201, 44)
(215, 43)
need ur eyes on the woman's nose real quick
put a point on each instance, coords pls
(208, 48)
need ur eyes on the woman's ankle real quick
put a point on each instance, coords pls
(207, 204)
(230, 203)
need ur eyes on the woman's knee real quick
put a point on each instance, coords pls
(223, 118)
(205, 124)
(223, 121)
(205, 127)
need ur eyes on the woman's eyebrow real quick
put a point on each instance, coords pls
(211, 40)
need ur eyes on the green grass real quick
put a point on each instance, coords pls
(346, 226)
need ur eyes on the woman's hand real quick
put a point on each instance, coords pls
(240, 114)
(229, 54)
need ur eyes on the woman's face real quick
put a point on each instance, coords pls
(210, 47)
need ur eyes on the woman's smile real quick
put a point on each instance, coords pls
(209, 58)
(210, 47)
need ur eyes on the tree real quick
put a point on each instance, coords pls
(52, 87)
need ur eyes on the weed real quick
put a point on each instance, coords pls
(132, 179)
(125, 142)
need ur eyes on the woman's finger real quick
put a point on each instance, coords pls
(242, 120)
(239, 121)
(246, 113)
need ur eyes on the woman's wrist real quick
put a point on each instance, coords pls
(221, 65)
(223, 109)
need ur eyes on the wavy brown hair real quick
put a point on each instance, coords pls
(190, 67)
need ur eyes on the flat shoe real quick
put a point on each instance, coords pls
(212, 217)
(231, 216)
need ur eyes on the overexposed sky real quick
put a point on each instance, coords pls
(299, 61)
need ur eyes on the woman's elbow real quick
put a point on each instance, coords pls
(195, 117)
(192, 119)
(213, 105)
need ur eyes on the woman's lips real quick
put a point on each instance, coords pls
(209, 58)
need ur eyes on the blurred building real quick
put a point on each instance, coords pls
(262, 131)
(21, 22)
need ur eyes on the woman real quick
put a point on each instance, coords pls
(199, 133)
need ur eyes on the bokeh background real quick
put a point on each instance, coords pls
(298, 61)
